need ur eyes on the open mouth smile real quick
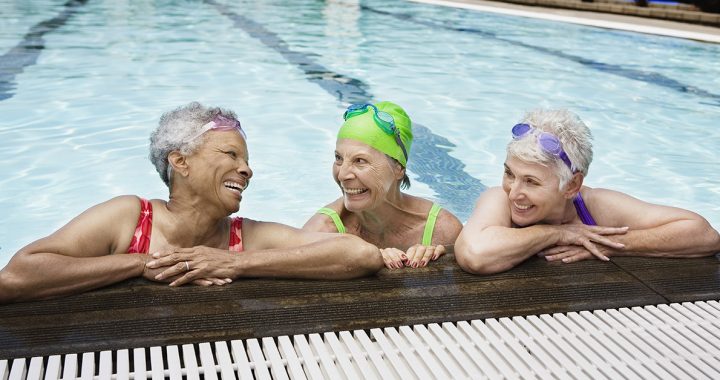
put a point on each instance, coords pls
(354, 191)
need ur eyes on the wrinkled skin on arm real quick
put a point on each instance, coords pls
(275, 250)
(489, 243)
(84, 254)
(653, 230)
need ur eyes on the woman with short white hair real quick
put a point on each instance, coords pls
(202, 156)
(543, 208)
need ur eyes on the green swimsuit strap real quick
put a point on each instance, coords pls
(335, 218)
(430, 224)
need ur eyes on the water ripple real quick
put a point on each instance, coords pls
(431, 162)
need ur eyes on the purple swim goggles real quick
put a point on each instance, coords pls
(547, 141)
(220, 123)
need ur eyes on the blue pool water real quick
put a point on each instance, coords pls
(82, 84)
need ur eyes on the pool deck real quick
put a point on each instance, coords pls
(578, 12)
(138, 313)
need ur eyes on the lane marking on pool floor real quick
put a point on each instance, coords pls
(429, 160)
(28, 50)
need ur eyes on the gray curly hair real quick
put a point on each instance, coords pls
(574, 135)
(175, 131)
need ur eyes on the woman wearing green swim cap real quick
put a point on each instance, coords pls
(371, 155)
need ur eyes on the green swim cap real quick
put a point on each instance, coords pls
(363, 128)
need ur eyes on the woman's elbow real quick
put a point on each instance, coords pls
(473, 259)
(374, 260)
(713, 241)
(9, 287)
(705, 238)
(365, 258)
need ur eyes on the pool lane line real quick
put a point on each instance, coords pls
(605, 24)
(429, 159)
(625, 72)
(27, 51)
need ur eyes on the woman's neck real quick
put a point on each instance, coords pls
(395, 216)
(569, 213)
(190, 222)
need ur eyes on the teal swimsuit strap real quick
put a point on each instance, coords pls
(335, 218)
(430, 224)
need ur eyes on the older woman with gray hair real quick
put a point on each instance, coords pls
(543, 208)
(202, 156)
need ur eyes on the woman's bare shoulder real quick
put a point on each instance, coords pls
(447, 228)
(319, 222)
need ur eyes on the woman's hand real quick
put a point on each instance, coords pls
(151, 274)
(416, 256)
(198, 265)
(593, 239)
(393, 258)
(571, 253)
(420, 255)
(581, 242)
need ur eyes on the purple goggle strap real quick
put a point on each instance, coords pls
(220, 123)
(583, 212)
(225, 123)
(563, 156)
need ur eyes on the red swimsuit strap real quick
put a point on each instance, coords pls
(236, 244)
(140, 242)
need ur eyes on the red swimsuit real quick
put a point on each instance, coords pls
(140, 242)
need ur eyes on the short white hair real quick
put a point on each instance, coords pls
(574, 135)
(175, 131)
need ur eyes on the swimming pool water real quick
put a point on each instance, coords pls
(82, 84)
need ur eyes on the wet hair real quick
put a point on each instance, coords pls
(405, 182)
(574, 135)
(175, 130)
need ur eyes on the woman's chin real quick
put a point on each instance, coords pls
(352, 208)
(357, 202)
(233, 207)
(522, 221)
(355, 206)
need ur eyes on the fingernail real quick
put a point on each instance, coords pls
(159, 277)
(156, 255)
(565, 260)
(150, 264)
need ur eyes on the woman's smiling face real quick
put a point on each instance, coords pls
(533, 191)
(222, 167)
(364, 174)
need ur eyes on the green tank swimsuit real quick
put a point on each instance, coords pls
(427, 233)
